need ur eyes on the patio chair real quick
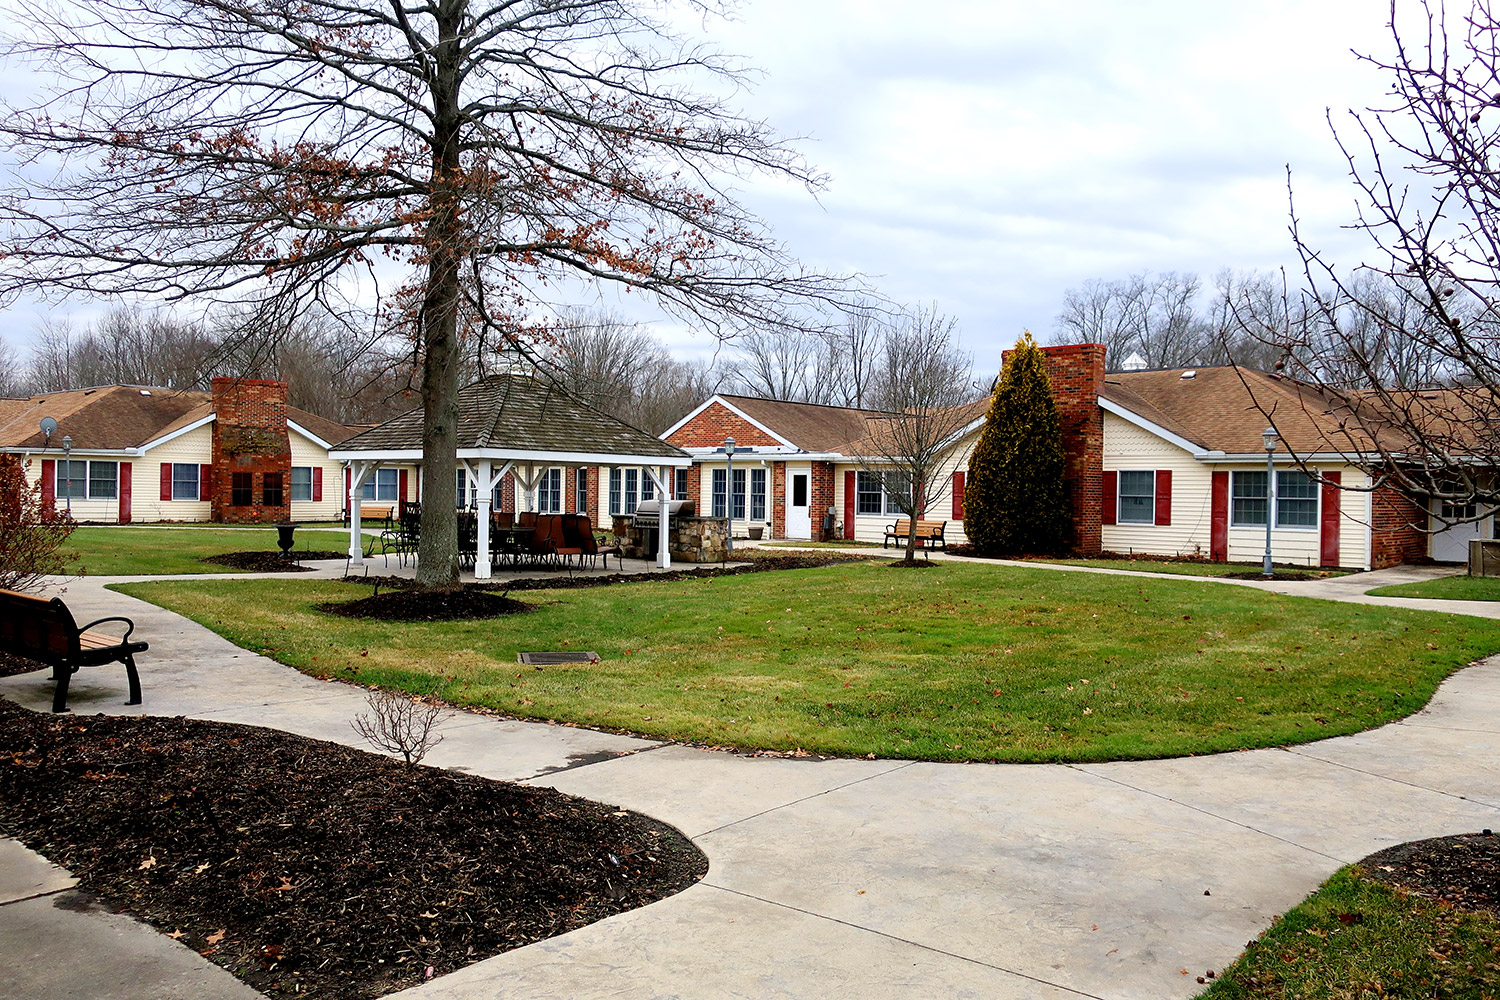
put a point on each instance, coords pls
(468, 538)
(568, 539)
(540, 545)
(593, 548)
(402, 537)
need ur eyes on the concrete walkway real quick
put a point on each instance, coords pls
(875, 879)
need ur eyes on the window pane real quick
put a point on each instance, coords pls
(367, 491)
(1137, 498)
(271, 489)
(549, 492)
(869, 495)
(184, 481)
(1296, 500)
(721, 480)
(102, 478)
(799, 491)
(757, 494)
(648, 488)
(682, 481)
(1248, 506)
(241, 489)
(386, 484)
(72, 480)
(302, 482)
(739, 493)
(896, 492)
(581, 489)
(632, 478)
(615, 502)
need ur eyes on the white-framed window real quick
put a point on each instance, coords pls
(680, 484)
(632, 489)
(302, 477)
(893, 499)
(549, 492)
(382, 484)
(869, 497)
(648, 486)
(1137, 495)
(462, 490)
(81, 480)
(581, 490)
(1247, 499)
(1296, 500)
(616, 486)
(185, 480)
(757, 494)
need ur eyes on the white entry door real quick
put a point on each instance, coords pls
(1452, 544)
(799, 502)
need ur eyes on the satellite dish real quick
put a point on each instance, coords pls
(49, 427)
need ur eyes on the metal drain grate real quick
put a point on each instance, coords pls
(552, 659)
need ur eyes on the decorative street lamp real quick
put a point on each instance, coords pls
(1268, 439)
(68, 461)
(729, 491)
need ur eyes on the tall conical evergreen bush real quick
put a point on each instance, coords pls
(1014, 498)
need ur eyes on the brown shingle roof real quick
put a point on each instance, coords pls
(329, 430)
(1226, 409)
(809, 426)
(515, 413)
(110, 418)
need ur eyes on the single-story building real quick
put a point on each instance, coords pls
(1158, 462)
(123, 453)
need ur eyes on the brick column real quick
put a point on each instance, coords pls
(778, 499)
(250, 438)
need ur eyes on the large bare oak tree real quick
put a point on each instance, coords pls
(469, 159)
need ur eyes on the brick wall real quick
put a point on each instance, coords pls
(250, 436)
(1396, 534)
(822, 496)
(709, 429)
(695, 489)
(778, 499)
(1077, 375)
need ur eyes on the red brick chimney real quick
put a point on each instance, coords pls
(252, 454)
(1077, 375)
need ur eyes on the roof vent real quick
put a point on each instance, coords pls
(145, 392)
(1190, 373)
(1134, 363)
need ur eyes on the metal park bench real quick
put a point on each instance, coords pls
(929, 534)
(43, 630)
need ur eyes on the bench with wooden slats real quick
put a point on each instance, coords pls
(44, 630)
(929, 533)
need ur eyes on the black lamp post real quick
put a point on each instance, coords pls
(729, 491)
(68, 461)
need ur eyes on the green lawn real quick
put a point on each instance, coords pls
(1358, 938)
(127, 550)
(957, 661)
(1446, 588)
(1182, 568)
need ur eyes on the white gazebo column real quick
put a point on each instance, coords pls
(482, 511)
(660, 477)
(358, 473)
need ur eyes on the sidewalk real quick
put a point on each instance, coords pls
(877, 879)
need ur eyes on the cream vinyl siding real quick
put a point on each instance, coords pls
(1303, 546)
(871, 527)
(331, 507)
(105, 511)
(193, 448)
(1128, 448)
(1354, 532)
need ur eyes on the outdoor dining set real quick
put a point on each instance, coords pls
(517, 540)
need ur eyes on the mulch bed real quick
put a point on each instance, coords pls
(308, 868)
(270, 562)
(1462, 871)
(13, 664)
(403, 604)
(1282, 575)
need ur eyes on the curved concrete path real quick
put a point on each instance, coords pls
(888, 879)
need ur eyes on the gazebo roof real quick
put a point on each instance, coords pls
(517, 418)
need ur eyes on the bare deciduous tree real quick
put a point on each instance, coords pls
(400, 723)
(479, 152)
(923, 387)
(32, 530)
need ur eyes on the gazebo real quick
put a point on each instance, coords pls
(518, 425)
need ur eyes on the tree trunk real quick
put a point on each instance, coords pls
(437, 548)
(911, 542)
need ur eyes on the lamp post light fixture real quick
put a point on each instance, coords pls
(1268, 440)
(68, 460)
(729, 493)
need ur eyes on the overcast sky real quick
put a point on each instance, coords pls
(988, 155)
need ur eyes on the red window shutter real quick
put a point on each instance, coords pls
(125, 476)
(348, 487)
(401, 489)
(317, 483)
(958, 496)
(1111, 502)
(166, 480)
(1329, 517)
(1218, 531)
(205, 482)
(49, 480)
(849, 505)
(1163, 496)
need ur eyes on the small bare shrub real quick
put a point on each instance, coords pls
(32, 530)
(398, 723)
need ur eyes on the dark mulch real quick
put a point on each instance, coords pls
(1293, 575)
(914, 564)
(270, 562)
(308, 868)
(10, 664)
(403, 604)
(1462, 871)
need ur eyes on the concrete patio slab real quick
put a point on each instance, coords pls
(25, 873)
